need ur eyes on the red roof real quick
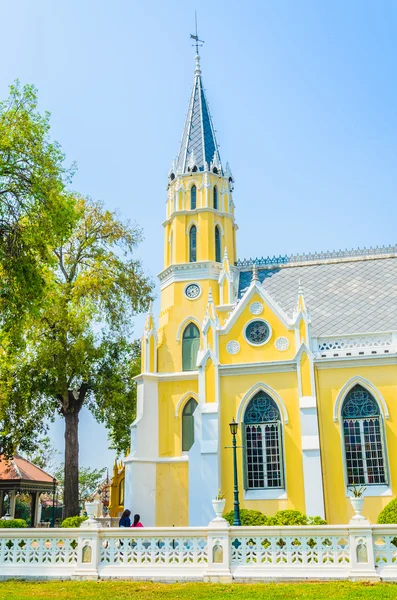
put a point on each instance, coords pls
(20, 469)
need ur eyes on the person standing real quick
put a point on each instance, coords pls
(137, 522)
(125, 520)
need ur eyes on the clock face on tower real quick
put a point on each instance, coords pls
(192, 291)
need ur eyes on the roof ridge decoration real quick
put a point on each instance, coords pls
(283, 260)
(198, 146)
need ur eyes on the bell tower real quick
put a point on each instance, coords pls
(199, 221)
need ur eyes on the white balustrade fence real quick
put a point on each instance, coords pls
(215, 553)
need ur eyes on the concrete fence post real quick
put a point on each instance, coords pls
(218, 551)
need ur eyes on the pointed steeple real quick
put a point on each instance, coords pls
(198, 144)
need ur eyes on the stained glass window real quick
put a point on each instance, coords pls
(188, 424)
(193, 244)
(263, 452)
(193, 197)
(363, 438)
(218, 249)
(257, 332)
(190, 347)
(215, 197)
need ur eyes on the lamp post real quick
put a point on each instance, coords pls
(233, 430)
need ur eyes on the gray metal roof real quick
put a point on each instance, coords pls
(198, 144)
(350, 296)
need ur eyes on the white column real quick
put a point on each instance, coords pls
(203, 464)
(312, 471)
(140, 466)
(13, 497)
(218, 552)
(362, 561)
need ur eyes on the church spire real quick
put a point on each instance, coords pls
(198, 147)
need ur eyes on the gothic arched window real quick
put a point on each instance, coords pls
(215, 197)
(218, 249)
(188, 424)
(263, 447)
(363, 438)
(193, 244)
(193, 197)
(190, 347)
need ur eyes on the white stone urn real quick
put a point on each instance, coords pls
(219, 507)
(357, 504)
(90, 508)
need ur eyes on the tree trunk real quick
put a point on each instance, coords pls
(71, 484)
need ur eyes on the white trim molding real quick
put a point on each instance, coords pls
(272, 393)
(183, 401)
(357, 380)
(184, 324)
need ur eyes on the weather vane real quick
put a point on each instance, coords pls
(199, 42)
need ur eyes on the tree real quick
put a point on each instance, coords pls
(44, 456)
(89, 481)
(78, 350)
(36, 210)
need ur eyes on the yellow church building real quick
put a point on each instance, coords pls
(300, 350)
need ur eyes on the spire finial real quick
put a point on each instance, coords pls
(225, 254)
(254, 273)
(300, 288)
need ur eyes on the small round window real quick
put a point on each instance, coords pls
(257, 332)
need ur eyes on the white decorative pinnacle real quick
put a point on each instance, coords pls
(191, 160)
(225, 254)
(254, 274)
(216, 162)
(300, 288)
(197, 70)
(228, 172)
(210, 297)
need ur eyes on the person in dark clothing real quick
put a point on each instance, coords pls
(125, 520)
(137, 522)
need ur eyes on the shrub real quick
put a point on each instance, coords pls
(289, 517)
(248, 517)
(70, 522)
(19, 523)
(316, 521)
(388, 516)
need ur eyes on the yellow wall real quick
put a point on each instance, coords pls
(233, 389)
(329, 383)
(172, 494)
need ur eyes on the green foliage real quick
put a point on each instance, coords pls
(89, 480)
(36, 210)
(13, 523)
(71, 522)
(44, 455)
(388, 516)
(289, 517)
(248, 517)
(316, 521)
(22, 508)
(252, 518)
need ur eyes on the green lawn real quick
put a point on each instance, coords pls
(126, 590)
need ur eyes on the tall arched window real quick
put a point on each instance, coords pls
(193, 244)
(263, 453)
(218, 249)
(188, 424)
(363, 437)
(215, 197)
(190, 347)
(193, 197)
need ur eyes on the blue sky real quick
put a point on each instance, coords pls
(303, 96)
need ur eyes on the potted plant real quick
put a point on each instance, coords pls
(219, 504)
(357, 500)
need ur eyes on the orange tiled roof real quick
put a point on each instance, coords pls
(21, 469)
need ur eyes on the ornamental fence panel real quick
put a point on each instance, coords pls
(214, 553)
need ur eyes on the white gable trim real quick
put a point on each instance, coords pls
(255, 287)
